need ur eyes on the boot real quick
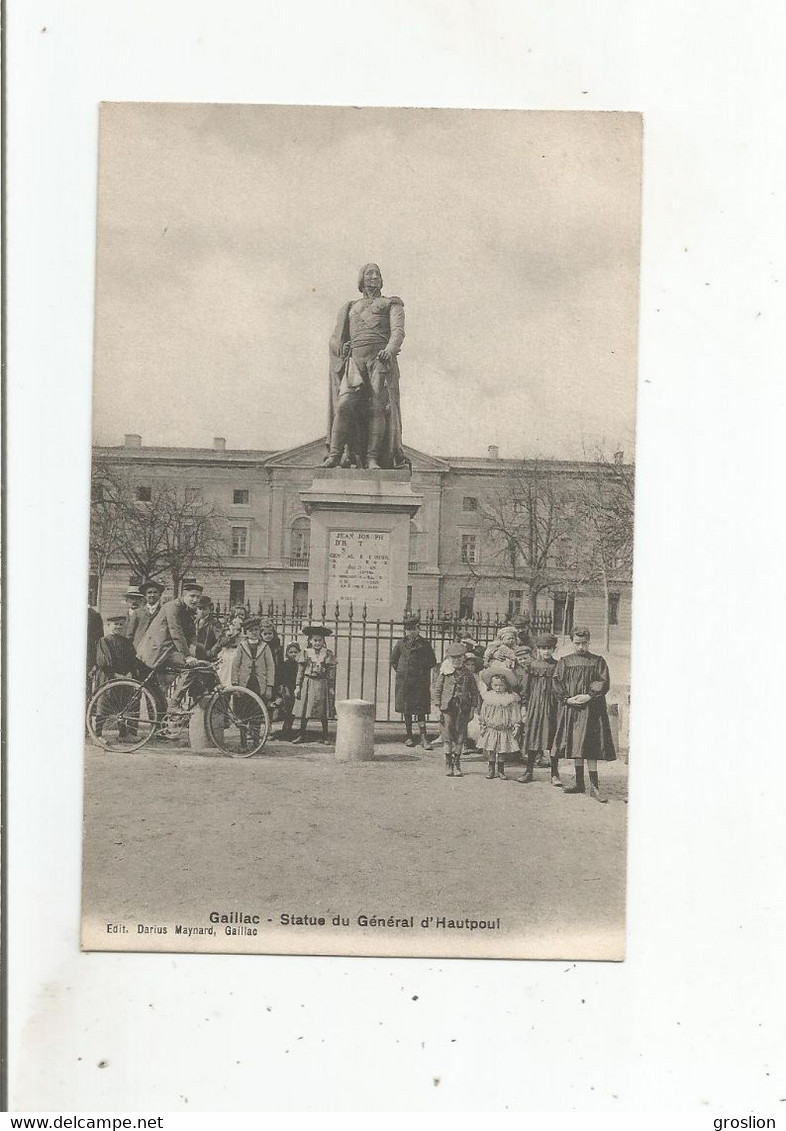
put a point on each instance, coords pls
(301, 734)
(594, 789)
(424, 742)
(501, 770)
(376, 434)
(579, 786)
(555, 778)
(338, 436)
(528, 773)
(490, 773)
(457, 763)
(325, 736)
(449, 763)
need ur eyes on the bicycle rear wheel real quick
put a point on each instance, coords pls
(238, 721)
(122, 715)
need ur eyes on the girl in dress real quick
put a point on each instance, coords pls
(230, 638)
(541, 705)
(316, 682)
(500, 714)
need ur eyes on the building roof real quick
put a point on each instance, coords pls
(295, 456)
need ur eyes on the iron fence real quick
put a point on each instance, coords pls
(363, 645)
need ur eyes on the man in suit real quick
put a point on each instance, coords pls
(140, 619)
(170, 639)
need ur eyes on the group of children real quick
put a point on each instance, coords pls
(529, 703)
(298, 683)
(526, 701)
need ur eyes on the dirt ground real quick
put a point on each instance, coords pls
(171, 835)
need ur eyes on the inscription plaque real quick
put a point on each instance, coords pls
(359, 567)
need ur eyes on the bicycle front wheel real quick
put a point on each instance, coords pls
(238, 721)
(122, 715)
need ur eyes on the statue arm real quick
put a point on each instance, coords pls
(396, 326)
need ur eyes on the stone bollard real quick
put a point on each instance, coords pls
(354, 730)
(198, 738)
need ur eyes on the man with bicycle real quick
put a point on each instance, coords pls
(171, 640)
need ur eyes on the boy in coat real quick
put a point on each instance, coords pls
(252, 667)
(286, 687)
(581, 681)
(208, 631)
(412, 660)
(115, 657)
(456, 693)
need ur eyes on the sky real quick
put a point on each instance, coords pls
(229, 236)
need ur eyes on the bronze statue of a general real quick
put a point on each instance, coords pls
(364, 408)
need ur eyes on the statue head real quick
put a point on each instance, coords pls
(374, 279)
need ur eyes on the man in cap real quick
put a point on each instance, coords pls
(171, 639)
(412, 660)
(581, 681)
(140, 618)
(134, 598)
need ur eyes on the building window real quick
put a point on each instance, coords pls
(237, 593)
(300, 597)
(301, 539)
(466, 603)
(240, 497)
(191, 494)
(144, 494)
(562, 619)
(239, 541)
(470, 503)
(614, 608)
(409, 596)
(515, 600)
(469, 548)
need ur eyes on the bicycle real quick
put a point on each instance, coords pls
(123, 715)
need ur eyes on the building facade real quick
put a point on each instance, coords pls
(265, 530)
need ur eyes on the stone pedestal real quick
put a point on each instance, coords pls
(360, 540)
(355, 730)
(198, 737)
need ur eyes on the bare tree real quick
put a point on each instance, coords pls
(161, 530)
(192, 535)
(605, 502)
(107, 508)
(529, 529)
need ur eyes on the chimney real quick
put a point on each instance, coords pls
(133, 440)
(493, 451)
(619, 456)
(219, 444)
